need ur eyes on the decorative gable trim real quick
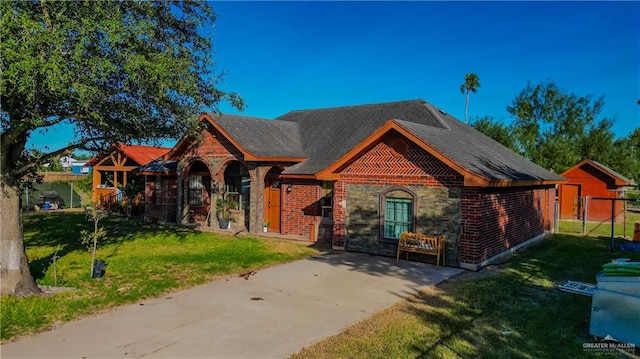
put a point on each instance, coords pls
(471, 179)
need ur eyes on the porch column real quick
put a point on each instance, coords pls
(213, 200)
(256, 199)
(179, 199)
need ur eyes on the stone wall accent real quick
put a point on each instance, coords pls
(437, 187)
(437, 212)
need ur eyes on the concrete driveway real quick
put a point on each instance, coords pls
(274, 313)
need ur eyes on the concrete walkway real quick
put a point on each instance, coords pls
(272, 314)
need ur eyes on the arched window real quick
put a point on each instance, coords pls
(398, 209)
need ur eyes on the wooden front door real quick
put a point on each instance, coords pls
(272, 205)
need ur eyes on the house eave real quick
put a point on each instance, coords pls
(150, 173)
(300, 176)
(526, 183)
(250, 157)
(471, 179)
(332, 172)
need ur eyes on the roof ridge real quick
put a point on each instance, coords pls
(220, 114)
(132, 145)
(436, 114)
(349, 106)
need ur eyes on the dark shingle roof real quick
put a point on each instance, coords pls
(328, 134)
(262, 137)
(611, 172)
(478, 153)
(158, 166)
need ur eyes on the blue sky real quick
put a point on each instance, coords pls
(284, 56)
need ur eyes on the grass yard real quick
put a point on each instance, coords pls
(511, 310)
(143, 261)
(602, 228)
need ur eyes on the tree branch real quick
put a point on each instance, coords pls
(19, 172)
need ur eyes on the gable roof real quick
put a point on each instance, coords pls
(143, 154)
(139, 153)
(331, 136)
(327, 134)
(320, 142)
(619, 179)
(480, 154)
(260, 139)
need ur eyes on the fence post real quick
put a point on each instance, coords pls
(585, 214)
(624, 215)
(556, 222)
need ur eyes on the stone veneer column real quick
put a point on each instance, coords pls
(179, 206)
(256, 199)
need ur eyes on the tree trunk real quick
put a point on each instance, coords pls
(15, 277)
(466, 107)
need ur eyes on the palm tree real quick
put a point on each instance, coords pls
(471, 83)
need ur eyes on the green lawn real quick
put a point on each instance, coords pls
(511, 310)
(595, 229)
(143, 261)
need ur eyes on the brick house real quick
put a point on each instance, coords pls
(358, 176)
(590, 179)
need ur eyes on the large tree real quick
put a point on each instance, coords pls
(625, 158)
(556, 130)
(110, 71)
(471, 84)
(498, 131)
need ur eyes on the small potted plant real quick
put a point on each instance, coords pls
(223, 213)
(265, 228)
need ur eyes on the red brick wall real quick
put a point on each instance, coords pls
(339, 213)
(300, 208)
(211, 145)
(550, 206)
(380, 165)
(498, 219)
(383, 166)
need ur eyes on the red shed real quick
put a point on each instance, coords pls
(586, 180)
